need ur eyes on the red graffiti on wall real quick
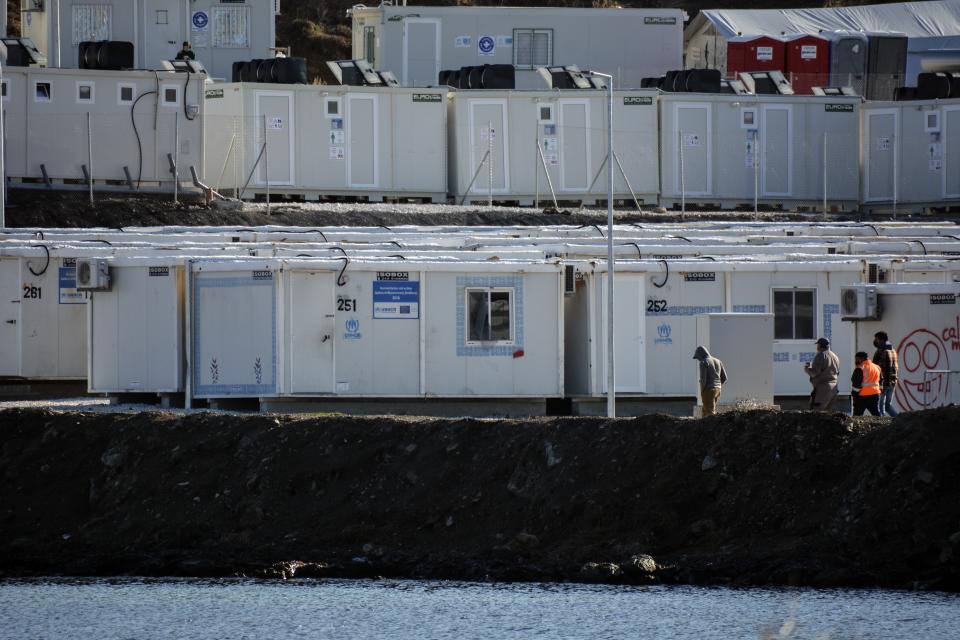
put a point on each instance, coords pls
(920, 352)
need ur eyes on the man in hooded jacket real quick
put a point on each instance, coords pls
(712, 378)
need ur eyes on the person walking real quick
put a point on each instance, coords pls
(824, 372)
(712, 378)
(886, 358)
(866, 385)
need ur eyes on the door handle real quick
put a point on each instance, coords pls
(11, 322)
(325, 338)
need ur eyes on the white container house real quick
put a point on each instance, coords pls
(518, 145)
(726, 150)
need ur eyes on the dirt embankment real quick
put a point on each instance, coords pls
(52, 209)
(744, 498)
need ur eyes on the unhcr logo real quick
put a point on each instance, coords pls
(664, 332)
(352, 329)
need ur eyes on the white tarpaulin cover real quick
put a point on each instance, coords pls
(933, 19)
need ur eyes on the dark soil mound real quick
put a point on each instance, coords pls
(746, 498)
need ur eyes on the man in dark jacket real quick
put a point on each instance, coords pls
(823, 372)
(886, 358)
(712, 378)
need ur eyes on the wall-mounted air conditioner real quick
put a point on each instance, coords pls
(31, 5)
(93, 274)
(859, 303)
(569, 280)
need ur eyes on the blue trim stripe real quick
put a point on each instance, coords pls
(679, 310)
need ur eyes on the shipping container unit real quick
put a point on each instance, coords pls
(417, 42)
(517, 146)
(848, 59)
(220, 32)
(755, 53)
(315, 141)
(345, 333)
(911, 155)
(807, 62)
(923, 323)
(135, 329)
(64, 126)
(727, 151)
(657, 305)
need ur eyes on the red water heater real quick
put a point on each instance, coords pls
(808, 62)
(755, 53)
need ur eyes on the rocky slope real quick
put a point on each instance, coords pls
(742, 498)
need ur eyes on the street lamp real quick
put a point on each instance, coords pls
(611, 377)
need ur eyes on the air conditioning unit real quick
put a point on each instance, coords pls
(569, 280)
(31, 5)
(93, 274)
(859, 303)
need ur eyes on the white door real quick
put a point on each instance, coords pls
(488, 135)
(275, 124)
(575, 145)
(951, 152)
(777, 164)
(310, 334)
(630, 361)
(362, 141)
(881, 151)
(162, 33)
(10, 295)
(421, 52)
(693, 168)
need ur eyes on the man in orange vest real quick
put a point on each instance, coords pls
(866, 385)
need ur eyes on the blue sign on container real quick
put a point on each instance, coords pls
(394, 300)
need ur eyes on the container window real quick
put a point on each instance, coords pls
(231, 27)
(332, 108)
(125, 93)
(171, 95)
(3, 90)
(490, 315)
(91, 22)
(532, 48)
(932, 122)
(748, 118)
(370, 45)
(794, 314)
(42, 92)
(85, 92)
(545, 113)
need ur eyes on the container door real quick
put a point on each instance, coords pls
(421, 52)
(951, 152)
(488, 133)
(881, 142)
(693, 141)
(362, 139)
(310, 335)
(630, 365)
(10, 295)
(275, 121)
(234, 334)
(162, 35)
(575, 145)
(777, 163)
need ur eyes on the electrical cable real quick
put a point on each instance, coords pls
(340, 280)
(136, 132)
(186, 85)
(44, 270)
(666, 277)
(639, 254)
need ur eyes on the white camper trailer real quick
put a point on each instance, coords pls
(417, 42)
(317, 141)
(120, 128)
(530, 146)
(729, 150)
(911, 154)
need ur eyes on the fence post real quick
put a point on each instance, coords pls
(490, 165)
(896, 175)
(176, 156)
(266, 163)
(683, 186)
(824, 172)
(756, 174)
(90, 155)
(536, 165)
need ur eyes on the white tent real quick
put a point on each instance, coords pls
(933, 27)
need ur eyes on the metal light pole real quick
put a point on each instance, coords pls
(611, 376)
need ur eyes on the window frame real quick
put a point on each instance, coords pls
(217, 13)
(326, 108)
(133, 93)
(553, 113)
(93, 92)
(533, 63)
(75, 9)
(793, 312)
(36, 87)
(511, 315)
(163, 95)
